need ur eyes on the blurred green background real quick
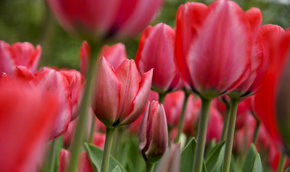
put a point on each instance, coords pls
(32, 21)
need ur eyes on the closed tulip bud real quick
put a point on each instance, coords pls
(122, 93)
(156, 50)
(153, 133)
(26, 119)
(210, 63)
(105, 18)
(171, 161)
(18, 54)
(271, 99)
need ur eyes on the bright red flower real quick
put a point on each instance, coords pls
(122, 93)
(18, 54)
(213, 46)
(156, 50)
(106, 18)
(26, 118)
(153, 133)
(271, 99)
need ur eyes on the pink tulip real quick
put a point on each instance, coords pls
(99, 139)
(83, 166)
(18, 54)
(173, 106)
(215, 125)
(106, 18)
(122, 93)
(85, 54)
(51, 80)
(156, 50)
(213, 46)
(191, 113)
(153, 133)
(26, 118)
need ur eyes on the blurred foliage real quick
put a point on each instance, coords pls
(32, 21)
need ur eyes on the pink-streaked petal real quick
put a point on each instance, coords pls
(130, 78)
(140, 100)
(220, 55)
(114, 54)
(140, 16)
(107, 95)
(157, 51)
(21, 72)
(189, 18)
(142, 136)
(7, 64)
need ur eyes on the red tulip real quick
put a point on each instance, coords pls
(173, 106)
(213, 46)
(51, 80)
(153, 133)
(85, 54)
(191, 113)
(106, 18)
(83, 166)
(122, 93)
(99, 139)
(156, 50)
(215, 125)
(115, 54)
(270, 100)
(18, 54)
(26, 118)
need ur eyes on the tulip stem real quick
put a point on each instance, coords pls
(201, 135)
(107, 149)
(257, 127)
(230, 134)
(281, 163)
(92, 130)
(181, 119)
(226, 122)
(52, 154)
(161, 97)
(149, 166)
(84, 109)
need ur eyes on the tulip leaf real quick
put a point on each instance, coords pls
(287, 170)
(215, 157)
(96, 155)
(252, 161)
(187, 156)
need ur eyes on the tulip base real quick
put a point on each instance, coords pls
(230, 134)
(201, 135)
(107, 149)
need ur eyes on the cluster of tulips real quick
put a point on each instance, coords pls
(211, 94)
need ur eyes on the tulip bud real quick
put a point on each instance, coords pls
(153, 134)
(171, 161)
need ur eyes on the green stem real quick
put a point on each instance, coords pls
(226, 123)
(281, 163)
(161, 97)
(149, 166)
(201, 135)
(52, 156)
(107, 149)
(230, 134)
(92, 130)
(256, 130)
(181, 119)
(84, 109)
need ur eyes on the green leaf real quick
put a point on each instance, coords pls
(96, 155)
(215, 158)
(204, 169)
(187, 156)
(252, 161)
(287, 170)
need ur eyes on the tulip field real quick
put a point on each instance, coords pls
(144, 86)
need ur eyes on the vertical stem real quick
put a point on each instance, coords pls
(181, 119)
(226, 123)
(52, 154)
(107, 149)
(84, 109)
(257, 127)
(201, 135)
(161, 97)
(149, 166)
(230, 135)
(92, 130)
(281, 163)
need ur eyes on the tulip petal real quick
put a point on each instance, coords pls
(107, 95)
(143, 129)
(115, 54)
(85, 54)
(171, 161)
(220, 56)
(254, 17)
(189, 18)
(7, 64)
(140, 100)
